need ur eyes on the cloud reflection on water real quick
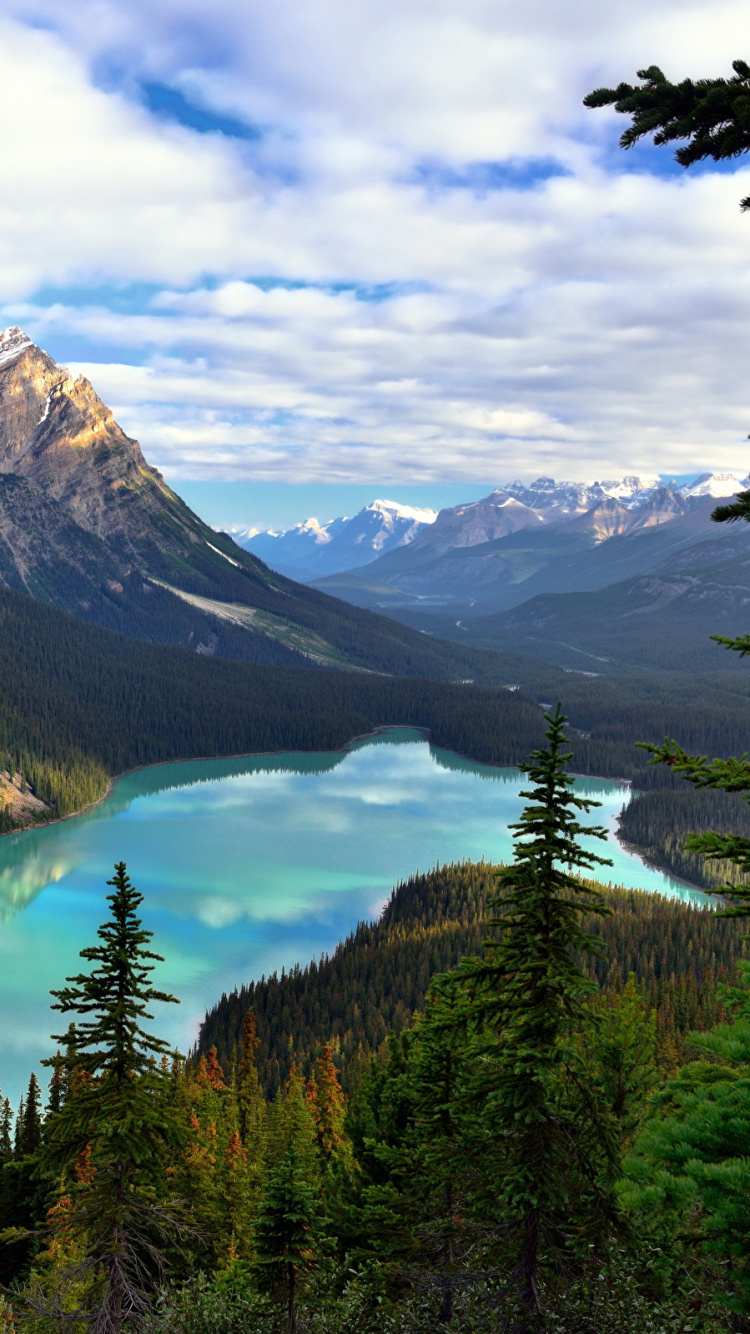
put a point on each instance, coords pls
(248, 865)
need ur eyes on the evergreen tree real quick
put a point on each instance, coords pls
(528, 996)
(688, 1178)
(114, 1118)
(18, 1130)
(726, 775)
(251, 1104)
(712, 114)
(619, 1050)
(56, 1091)
(30, 1137)
(6, 1131)
(441, 1058)
(328, 1106)
(289, 1231)
(291, 1121)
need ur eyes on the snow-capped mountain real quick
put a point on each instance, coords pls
(605, 509)
(716, 484)
(312, 549)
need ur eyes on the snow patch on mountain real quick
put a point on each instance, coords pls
(13, 342)
(716, 484)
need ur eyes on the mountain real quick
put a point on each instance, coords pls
(468, 560)
(658, 621)
(313, 549)
(87, 525)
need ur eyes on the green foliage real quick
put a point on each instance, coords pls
(377, 978)
(689, 1176)
(114, 1118)
(526, 997)
(210, 1304)
(712, 114)
(661, 821)
(289, 1231)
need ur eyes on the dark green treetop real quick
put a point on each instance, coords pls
(289, 1232)
(713, 115)
(113, 998)
(529, 981)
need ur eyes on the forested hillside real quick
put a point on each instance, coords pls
(376, 979)
(79, 704)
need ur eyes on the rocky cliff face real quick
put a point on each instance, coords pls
(56, 433)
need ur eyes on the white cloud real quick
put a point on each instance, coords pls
(597, 321)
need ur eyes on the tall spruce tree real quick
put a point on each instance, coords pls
(527, 997)
(30, 1136)
(115, 1117)
(289, 1230)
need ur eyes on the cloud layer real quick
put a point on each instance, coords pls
(376, 241)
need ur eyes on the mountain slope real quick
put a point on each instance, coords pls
(78, 703)
(660, 621)
(312, 549)
(608, 542)
(377, 978)
(87, 525)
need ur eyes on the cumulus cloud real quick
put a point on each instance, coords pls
(425, 262)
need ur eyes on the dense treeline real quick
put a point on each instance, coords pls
(376, 979)
(658, 823)
(79, 704)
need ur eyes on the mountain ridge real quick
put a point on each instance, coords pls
(89, 526)
(311, 548)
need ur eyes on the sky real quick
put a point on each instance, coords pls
(319, 252)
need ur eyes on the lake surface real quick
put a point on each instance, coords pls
(248, 865)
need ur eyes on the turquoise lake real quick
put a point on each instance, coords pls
(250, 865)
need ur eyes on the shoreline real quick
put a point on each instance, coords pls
(340, 750)
(198, 759)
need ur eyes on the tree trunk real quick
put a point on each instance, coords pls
(527, 1271)
(115, 1296)
(446, 1309)
(290, 1310)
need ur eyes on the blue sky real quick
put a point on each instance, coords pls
(316, 252)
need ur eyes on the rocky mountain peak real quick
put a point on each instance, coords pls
(13, 342)
(57, 433)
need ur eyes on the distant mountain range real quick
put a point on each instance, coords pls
(632, 572)
(87, 525)
(399, 545)
(659, 620)
(312, 549)
(523, 540)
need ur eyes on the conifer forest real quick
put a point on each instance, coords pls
(516, 1102)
